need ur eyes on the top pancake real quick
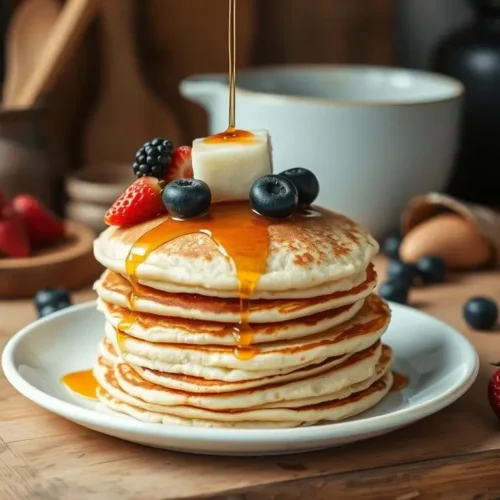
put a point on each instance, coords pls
(305, 251)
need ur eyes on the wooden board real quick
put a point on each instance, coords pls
(69, 264)
(127, 113)
(454, 454)
(28, 30)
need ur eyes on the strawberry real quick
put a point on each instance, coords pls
(3, 201)
(14, 241)
(494, 392)
(181, 166)
(139, 203)
(41, 224)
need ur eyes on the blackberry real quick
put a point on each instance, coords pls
(153, 159)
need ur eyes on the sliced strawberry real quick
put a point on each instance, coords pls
(42, 225)
(14, 241)
(181, 166)
(139, 203)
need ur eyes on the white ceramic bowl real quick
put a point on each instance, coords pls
(374, 136)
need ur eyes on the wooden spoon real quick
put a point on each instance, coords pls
(128, 113)
(66, 34)
(27, 34)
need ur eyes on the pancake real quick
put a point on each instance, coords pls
(178, 295)
(356, 368)
(167, 329)
(108, 352)
(106, 376)
(118, 405)
(337, 405)
(305, 251)
(109, 349)
(197, 384)
(340, 285)
(114, 289)
(357, 334)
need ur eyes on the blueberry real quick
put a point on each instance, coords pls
(395, 291)
(274, 196)
(391, 246)
(52, 308)
(481, 313)
(187, 198)
(306, 183)
(49, 296)
(431, 269)
(400, 271)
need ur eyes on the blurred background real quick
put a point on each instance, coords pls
(86, 82)
(176, 39)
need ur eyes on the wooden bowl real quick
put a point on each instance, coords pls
(100, 184)
(69, 264)
(87, 213)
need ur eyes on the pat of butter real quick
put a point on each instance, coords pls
(231, 167)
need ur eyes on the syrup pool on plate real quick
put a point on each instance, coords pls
(400, 381)
(82, 383)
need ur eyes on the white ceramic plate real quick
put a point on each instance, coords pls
(440, 362)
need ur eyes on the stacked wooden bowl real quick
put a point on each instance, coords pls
(93, 190)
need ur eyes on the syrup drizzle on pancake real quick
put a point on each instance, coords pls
(241, 234)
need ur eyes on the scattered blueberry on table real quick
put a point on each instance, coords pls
(51, 300)
(400, 271)
(394, 291)
(187, 198)
(391, 245)
(431, 270)
(481, 313)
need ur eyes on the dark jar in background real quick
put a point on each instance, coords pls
(472, 55)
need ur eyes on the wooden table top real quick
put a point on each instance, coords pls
(453, 454)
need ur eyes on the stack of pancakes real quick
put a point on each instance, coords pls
(168, 354)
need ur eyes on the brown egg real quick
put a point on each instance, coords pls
(449, 236)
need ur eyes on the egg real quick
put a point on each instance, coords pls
(449, 236)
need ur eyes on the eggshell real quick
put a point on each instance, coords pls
(449, 236)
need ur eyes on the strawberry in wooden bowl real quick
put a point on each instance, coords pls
(39, 250)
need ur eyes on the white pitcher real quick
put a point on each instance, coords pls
(374, 136)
